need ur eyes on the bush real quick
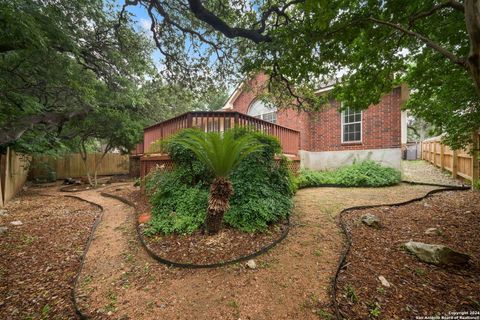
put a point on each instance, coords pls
(364, 174)
(176, 207)
(263, 189)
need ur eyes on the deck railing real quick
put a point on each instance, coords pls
(219, 121)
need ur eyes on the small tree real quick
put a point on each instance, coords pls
(220, 153)
(112, 129)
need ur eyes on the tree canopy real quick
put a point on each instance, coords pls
(62, 59)
(63, 64)
(369, 46)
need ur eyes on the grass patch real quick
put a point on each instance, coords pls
(351, 294)
(363, 174)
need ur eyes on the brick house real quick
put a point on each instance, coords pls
(330, 138)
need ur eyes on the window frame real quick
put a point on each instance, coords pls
(262, 115)
(342, 115)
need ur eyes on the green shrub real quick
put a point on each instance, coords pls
(176, 206)
(364, 174)
(263, 190)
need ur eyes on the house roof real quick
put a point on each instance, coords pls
(229, 104)
(324, 87)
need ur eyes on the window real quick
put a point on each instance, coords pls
(351, 126)
(259, 110)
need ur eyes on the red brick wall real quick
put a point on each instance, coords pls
(321, 131)
(287, 118)
(381, 128)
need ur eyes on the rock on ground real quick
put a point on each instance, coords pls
(433, 231)
(436, 254)
(251, 264)
(371, 220)
(384, 281)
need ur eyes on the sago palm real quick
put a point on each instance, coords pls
(221, 153)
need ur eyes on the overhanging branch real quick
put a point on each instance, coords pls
(207, 16)
(430, 43)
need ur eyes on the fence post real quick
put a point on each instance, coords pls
(442, 156)
(454, 164)
(235, 119)
(189, 120)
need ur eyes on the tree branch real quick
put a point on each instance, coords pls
(207, 16)
(432, 44)
(447, 4)
(14, 131)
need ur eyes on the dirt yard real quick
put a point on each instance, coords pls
(40, 254)
(120, 281)
(416, 288)
(291, 282)
(422, 171)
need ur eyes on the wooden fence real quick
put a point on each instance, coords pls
(459, 162)
(13, 174)
(72, 165)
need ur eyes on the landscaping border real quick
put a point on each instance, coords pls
(65, 189)
(170, 263)
(348, 238)
(78, 312)
(336, 185)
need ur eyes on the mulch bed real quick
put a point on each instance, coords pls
(120, 178)
(417, 289)
(197, 248)
(40, 258)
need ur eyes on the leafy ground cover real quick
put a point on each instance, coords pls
(362, 174)
(41, 257)
(416, 289)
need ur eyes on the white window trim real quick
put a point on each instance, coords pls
(261, 115)
(361, 128)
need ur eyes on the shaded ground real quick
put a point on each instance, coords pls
(291, 282)
(417, 289)
(423, 171)
(40, 257)
(228, 244)
(119, 280)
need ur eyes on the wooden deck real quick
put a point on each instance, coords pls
(216, 121)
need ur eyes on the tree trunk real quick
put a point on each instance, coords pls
(97, 164)
(218, 203)
(213, 223)
(472, 20)
(83, 155)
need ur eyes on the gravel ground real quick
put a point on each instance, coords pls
(422, 171)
